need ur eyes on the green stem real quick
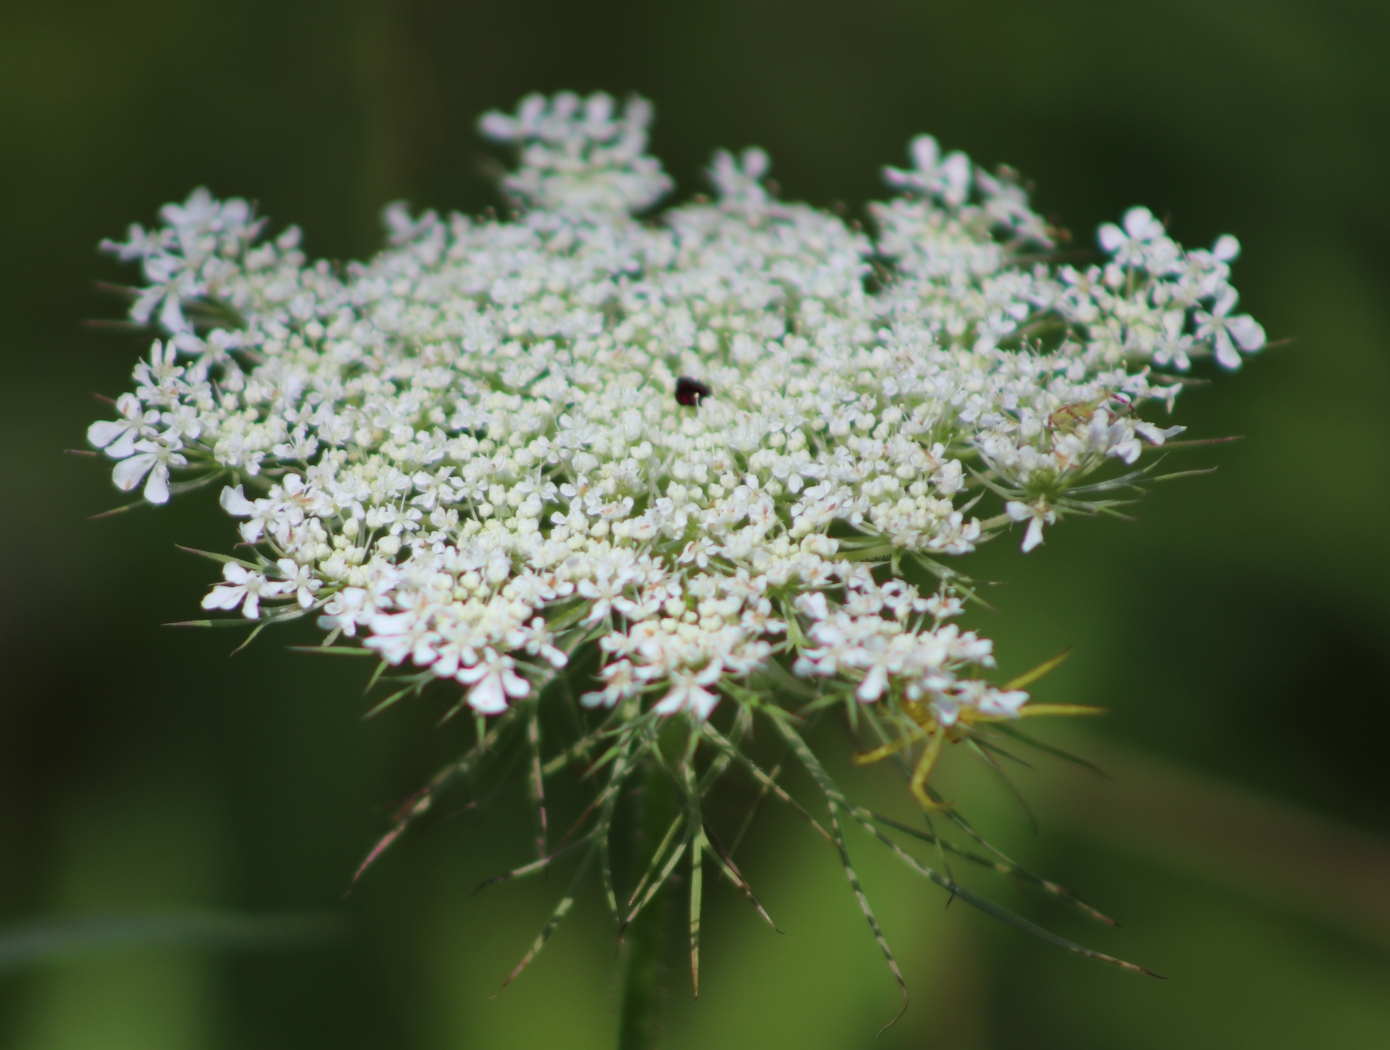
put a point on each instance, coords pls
(642, 990)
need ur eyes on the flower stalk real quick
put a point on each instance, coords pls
(645, 937)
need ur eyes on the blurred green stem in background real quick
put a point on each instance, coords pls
(62, 938)
(646, 936)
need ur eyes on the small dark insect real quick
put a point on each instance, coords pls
(689, 391)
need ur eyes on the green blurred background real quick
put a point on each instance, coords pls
(1237, 632)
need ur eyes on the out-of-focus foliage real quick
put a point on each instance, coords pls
(1237, 631)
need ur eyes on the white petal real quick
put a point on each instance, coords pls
(1226, 298)
(496, 126)
(756, 163)
(1139, 223)
(1034, 535)
(235, 503)
(673, 701)
(1226, 353)
(399, 623)
(711, 674)
(1247, 332)
(487, 697)
(123, 446)
(702, 703)
(171, 316)
(1128, 450)
(104, 431)
(473, 673)
(925, 152)
(1226, 248)
(514, 685)
(393, 648)
(997, 703)
(141, 309)
(157, 488)
(603, 699)
(128, 472)
(955, 173)
(221, 597)
(1154, 435)
(871, 688)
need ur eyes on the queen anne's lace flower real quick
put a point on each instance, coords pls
(718, 451)
(490, 425)
(244, 588)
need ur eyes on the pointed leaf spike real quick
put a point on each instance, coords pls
(653, 864)
(535, 866)
(657, 883)
(868, 911)
(1046, 667)
(1003, 867)
(377, 709)
(533, 740)
(1049, 749)
(697, 877)
(730, 869)
(251, 637)
(989, 907)
(753, 809)
(116, 510)
(376, 851)
(561, 910)
(767, 781)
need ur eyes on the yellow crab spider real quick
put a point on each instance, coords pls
(925, 724)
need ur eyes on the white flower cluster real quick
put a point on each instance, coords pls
(688, 439)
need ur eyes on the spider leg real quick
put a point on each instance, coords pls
(924, 767)
(878, 754)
